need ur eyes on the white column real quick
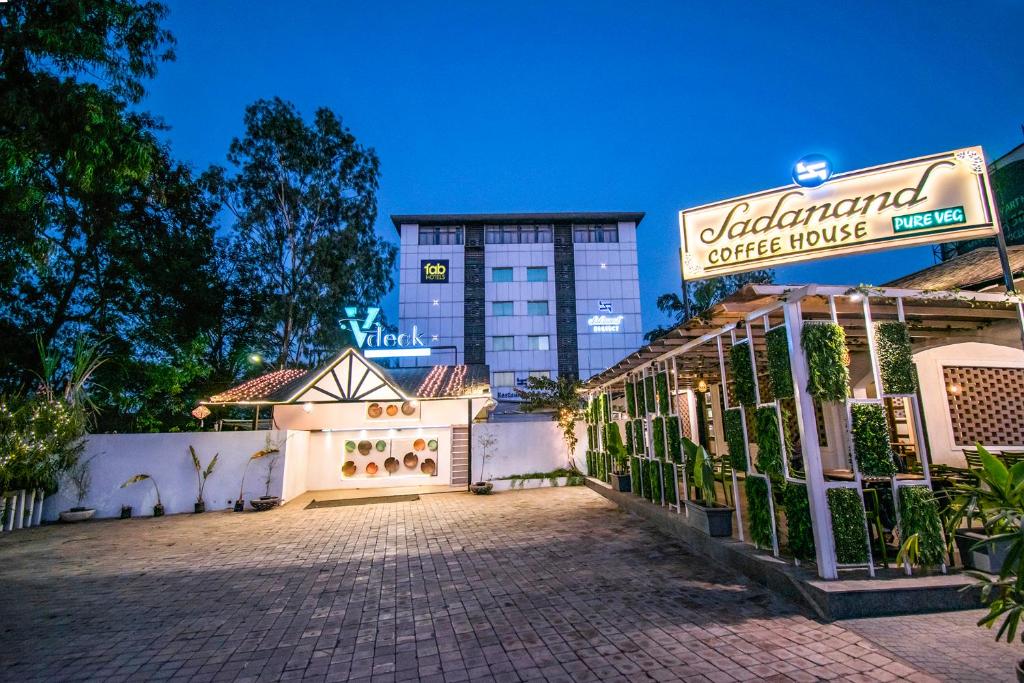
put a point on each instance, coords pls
(821, 518)
(30, 506)
(3, 509)
(19, 509)
(39, 509)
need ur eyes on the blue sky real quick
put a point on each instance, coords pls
(606, 106)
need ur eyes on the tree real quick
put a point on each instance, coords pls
(562, 396)
(304, 200)
(704, 295)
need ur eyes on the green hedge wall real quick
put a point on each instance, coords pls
(732, 423)
(742, 374)
(662, 385)
(824, 345)
(668, 473)
(638, 436)
(895, 358)
(871, 440)
(769, 444)
(638, 391)
(658, 437)
(630, 400)
(630, 448)
(779, 371)
(606, 408)
(919, 514)
(759, 512)
(634, 476)
(798, 521)
(654, 473)
(675, 440)
(646, 479)
(848, 526)
(649, 398)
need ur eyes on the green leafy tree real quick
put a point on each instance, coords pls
(560, 396)
(303, 195)
(703, 295)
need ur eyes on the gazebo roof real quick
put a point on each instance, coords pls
(350, 377)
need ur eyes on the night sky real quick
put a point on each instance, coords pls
(607, 106)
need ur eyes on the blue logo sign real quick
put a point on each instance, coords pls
(811, 171)
(375, 343)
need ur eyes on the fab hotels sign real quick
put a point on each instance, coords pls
(939, 198)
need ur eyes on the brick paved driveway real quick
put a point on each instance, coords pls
(546, 584)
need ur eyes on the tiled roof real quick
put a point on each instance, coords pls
(976, 269)
(438, 381)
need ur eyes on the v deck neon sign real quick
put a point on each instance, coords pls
(370, 336)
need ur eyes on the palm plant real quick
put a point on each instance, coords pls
(202, 474)
(158, 509)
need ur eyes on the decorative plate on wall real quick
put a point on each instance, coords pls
(408, 408)
(381, 445)
(374, 410)
(428, 466)
(349, 468)
(365, 447)
(411, 460)
(350, 446)
(432, 444)
(391, 465)
(392, 410)
(371, 468)
(419, 445)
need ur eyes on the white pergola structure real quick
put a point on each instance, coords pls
(694, 353)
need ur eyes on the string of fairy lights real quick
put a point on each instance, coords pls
(259, 387)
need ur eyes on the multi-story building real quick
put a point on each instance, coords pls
(528, 294)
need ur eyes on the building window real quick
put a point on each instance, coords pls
(537, 274)
(440, 234)
(518, 234)
(504, 343)
(599, 233)
(504, 379)
(536, 308)
(501, 274)
(502, 308)
(546, 374)
(538, 342)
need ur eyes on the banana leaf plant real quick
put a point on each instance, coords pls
(158, 509)
(701, 467)
(202, 474)
(261, 453)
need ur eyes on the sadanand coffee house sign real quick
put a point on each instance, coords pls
(938, 198)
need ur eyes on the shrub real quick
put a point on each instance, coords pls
(769, 443)
(847, 514)
(871, 440)
(742, 373)
(895, 358)
(732, 422)
(779, 371)
(919, 514)
(759, 511)
(828, 376)
(798, 521)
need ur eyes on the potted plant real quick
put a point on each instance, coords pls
(262, 453)
(267, 501)
(158, 509)
(620, 479)
(126, 512)
(705, 513)
(986, 498)
(81, 478)
(484, 487)
(201, 476)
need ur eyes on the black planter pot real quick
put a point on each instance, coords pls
(1020, 671)
(200, 507)
(621, 482)
(239, 506)
(158, 510)
(988, 557)
(126, 512)
(714, 521)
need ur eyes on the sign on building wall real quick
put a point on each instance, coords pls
(938, 198)
(434, 271)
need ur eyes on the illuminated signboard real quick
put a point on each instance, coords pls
(434, 271)
(605, 323)
(939, 198)
(811, 171)
(374, 342)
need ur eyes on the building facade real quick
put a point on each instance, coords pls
(527, 294)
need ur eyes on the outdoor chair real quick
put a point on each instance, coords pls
(1011, 458)
(973, 458)
(724, 475)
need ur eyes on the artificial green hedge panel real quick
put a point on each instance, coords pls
(654, 474)
(668, 474)
(828, 373)
(733, 425)
(638, 436)
(759, 512)
(919, 514)
(742, 374)
(630, 400)
(630, 448)
(848, 526)
(649, 398)
(662, 386)
(674, 439)
(895, 358)
(871, 440)
(638, 391)
(798, 521)
(606, 407)
(658, 437)
(769, 443)
(779, 372)
(635, 476)
(645, 478)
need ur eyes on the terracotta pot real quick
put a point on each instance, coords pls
(371, 468)
(349, 468)
(419, 445)
(392, 410)
(411, 460)
(374, 410)
(428, 466)
(365, 447)
(408, 408)
(391, 465)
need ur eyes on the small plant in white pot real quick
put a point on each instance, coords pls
(483, 487)
(158, 509)
(201, 476)
(81, 478)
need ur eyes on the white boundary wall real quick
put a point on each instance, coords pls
(524, 447)
(114, 458)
